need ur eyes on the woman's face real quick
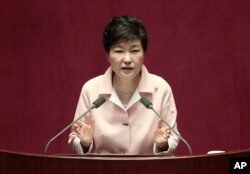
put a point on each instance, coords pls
(126, 58)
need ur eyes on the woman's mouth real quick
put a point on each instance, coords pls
(127, 69)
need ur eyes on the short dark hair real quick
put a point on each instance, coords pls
(124, 28)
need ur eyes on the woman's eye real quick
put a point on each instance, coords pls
(135, 51)
(118, 51)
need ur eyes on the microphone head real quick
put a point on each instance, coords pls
(98, 102)
(148, 104)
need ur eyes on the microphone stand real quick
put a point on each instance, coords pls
(149, 105)
(182, 139)
(57, 135)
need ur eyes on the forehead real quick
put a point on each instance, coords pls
(130, 43)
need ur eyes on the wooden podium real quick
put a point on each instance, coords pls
(19, 163)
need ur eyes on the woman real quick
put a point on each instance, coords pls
(122, 125)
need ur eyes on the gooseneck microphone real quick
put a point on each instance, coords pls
(98, 102)
(148, 104)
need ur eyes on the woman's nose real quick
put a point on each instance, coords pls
(127, 58)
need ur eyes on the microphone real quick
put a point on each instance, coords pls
(148, 104)
(98, 102)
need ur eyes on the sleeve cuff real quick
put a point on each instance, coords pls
(78, 147)
(171, 148)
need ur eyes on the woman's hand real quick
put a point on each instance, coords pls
(85, 131)
(161, 136)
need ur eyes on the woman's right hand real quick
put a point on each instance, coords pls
(85, 131)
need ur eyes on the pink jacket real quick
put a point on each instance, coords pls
(129, 130)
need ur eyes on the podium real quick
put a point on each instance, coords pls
(19, 163)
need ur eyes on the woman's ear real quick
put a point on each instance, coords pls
(107, 55)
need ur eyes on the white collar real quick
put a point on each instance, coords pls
(115, 99)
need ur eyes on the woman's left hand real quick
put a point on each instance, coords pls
(161, 136)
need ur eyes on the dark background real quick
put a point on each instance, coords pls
(49, 48)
